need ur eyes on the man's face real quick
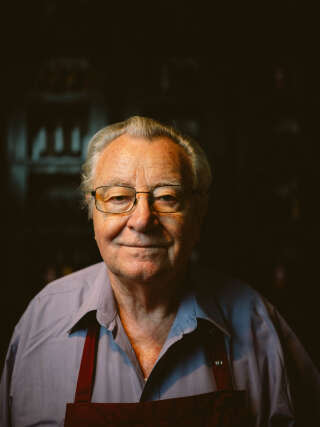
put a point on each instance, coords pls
(142, 245)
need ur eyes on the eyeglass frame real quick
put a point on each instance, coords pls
(93, 194)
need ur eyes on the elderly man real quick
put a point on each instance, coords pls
(144, 337)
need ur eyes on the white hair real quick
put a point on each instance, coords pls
(149, 129)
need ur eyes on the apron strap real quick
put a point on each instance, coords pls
(88, 363)
(220, 364)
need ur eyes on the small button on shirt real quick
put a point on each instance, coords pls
(43, 360)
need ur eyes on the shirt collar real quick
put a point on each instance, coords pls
(200, 302)
(100, 299)
(206, 301)
(194, 305)
(191, 309)
(213, 315)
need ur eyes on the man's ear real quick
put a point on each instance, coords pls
(89, 204)
(199, 214)
(203, 203)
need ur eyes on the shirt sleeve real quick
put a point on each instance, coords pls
(304, 377)
(5, 384)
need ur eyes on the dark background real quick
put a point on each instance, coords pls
(242, 78)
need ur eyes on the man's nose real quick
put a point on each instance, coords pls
(142, 217)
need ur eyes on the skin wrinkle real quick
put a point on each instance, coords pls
(146, 253)
(143, 127)
(141, 225)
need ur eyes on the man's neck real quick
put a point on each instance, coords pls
(157, 298)
(147, 312)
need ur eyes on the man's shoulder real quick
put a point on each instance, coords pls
(224, 288)
(73, 282)
(58, 302)
(234, 299)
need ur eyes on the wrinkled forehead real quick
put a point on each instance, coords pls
(131, 160)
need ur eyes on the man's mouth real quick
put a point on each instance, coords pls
(148, 246)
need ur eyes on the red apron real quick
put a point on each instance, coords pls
(224, 408)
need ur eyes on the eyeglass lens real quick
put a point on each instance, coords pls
(119, 199)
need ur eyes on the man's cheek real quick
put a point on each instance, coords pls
(174, 222)
(109, 227)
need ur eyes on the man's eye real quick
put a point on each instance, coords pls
(118, 199)
(167, 198)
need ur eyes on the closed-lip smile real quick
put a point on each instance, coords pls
(144, 246)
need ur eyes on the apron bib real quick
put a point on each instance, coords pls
(223, 408)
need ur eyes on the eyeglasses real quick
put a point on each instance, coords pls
(121, 199)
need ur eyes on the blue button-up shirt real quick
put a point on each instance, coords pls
(41, 369)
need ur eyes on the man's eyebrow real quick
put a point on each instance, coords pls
(119, 183)
(168, 183)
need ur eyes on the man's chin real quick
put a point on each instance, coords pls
(143, 273)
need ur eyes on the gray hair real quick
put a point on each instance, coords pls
(150, 129)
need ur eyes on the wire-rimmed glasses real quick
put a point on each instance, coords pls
(120, 199)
